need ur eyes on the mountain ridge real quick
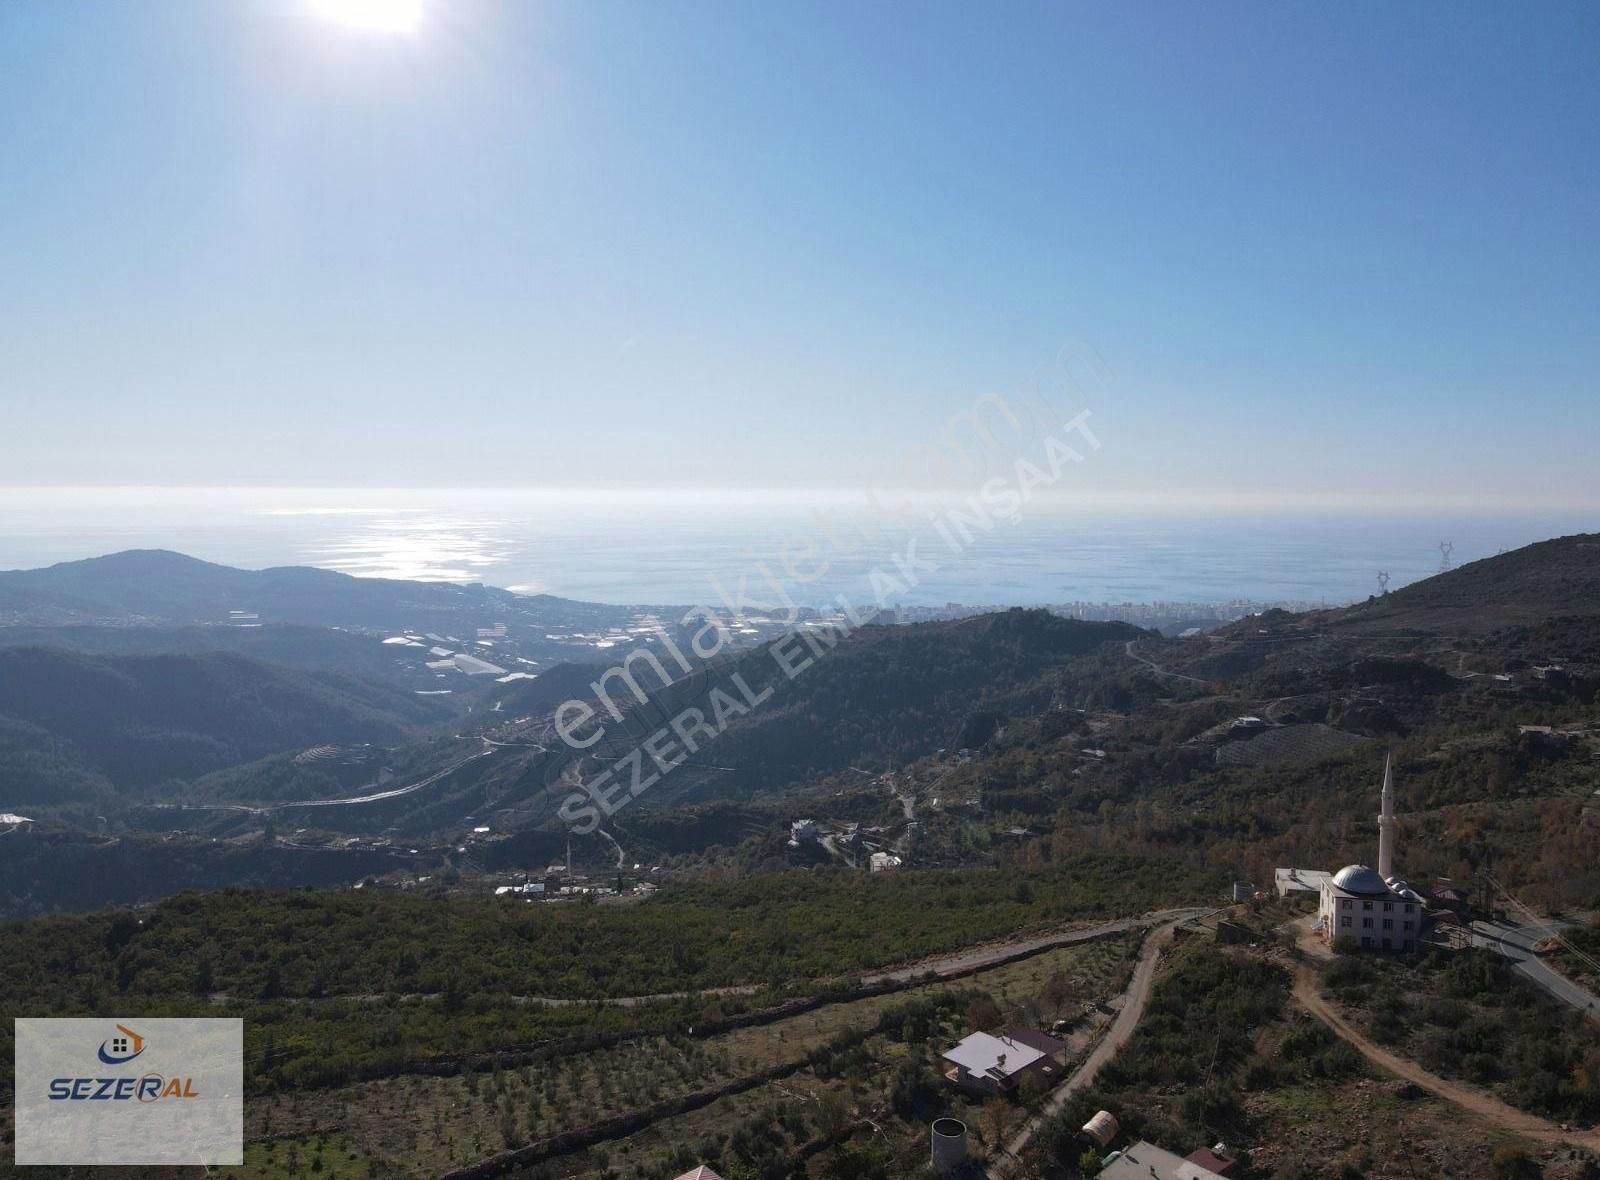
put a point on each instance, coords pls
(1555, 577)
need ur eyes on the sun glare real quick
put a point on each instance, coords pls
(379, 16)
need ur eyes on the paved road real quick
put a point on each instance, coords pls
(1516, 943)
(348, 801)
(1133, 1002)
(1486, 1107)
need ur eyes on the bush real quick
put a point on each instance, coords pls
(1339, 1060)
(1510, 1163)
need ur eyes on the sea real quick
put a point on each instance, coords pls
(812, 549)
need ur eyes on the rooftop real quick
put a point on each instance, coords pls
(1207, 1158)
(1360, 879)
(984, 1053)
(1309, 880)
(1144, 1161)
(1034, 1039)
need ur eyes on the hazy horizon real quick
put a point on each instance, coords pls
(637, 547)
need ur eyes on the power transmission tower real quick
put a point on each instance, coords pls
(1445, 549)
(1383, 582)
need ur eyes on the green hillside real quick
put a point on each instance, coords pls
(141, 720)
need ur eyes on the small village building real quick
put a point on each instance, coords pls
(1214, 1159)
(1233, 933)
(984, 1063)
(1299, 882)
(702, 1172)
(1146, 1161)
(1450, 898)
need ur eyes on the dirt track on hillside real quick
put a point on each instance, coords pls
(1133, 1002)
(1487, 1108)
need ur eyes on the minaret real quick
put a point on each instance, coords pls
(1386, 823)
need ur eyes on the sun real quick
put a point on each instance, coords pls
(378, 16)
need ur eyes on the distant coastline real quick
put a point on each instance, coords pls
(584, 548)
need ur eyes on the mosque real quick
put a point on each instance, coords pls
(1373, 909)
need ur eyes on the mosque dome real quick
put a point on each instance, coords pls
(1360, 879)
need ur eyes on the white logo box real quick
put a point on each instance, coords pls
(124, 1090)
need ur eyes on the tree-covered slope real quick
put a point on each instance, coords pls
(139, 720)
(875, 697)
(308, 649)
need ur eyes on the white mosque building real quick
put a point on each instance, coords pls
(1373, 908)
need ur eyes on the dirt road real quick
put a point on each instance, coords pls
(1133, 1002)
(1487, 1108)
(949, 966)
(1127, 649)
(996, 954)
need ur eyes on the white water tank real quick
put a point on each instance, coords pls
(949, 1146)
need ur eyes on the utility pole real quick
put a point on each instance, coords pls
(1484, 875)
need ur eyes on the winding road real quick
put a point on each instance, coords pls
(1488, 1108)
(348, 801)
(1133, 1002)
(1127, 650)
(610, 839)
(1517, 942)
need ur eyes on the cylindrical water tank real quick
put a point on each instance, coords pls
(949, 1145)
(1102, 1128)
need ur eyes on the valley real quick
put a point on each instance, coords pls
(715, 965)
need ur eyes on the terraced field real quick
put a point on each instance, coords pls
(419, 1125)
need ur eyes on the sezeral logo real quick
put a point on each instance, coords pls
(124, 1048)
(119, 1050)
(136, 1090)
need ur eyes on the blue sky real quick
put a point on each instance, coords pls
(1324, 252)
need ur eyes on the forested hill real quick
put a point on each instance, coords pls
(1549, 579)
(881, 696)
(139, 720)
(894, 693)
(549, 689)
(155, 585)
(928, 677)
